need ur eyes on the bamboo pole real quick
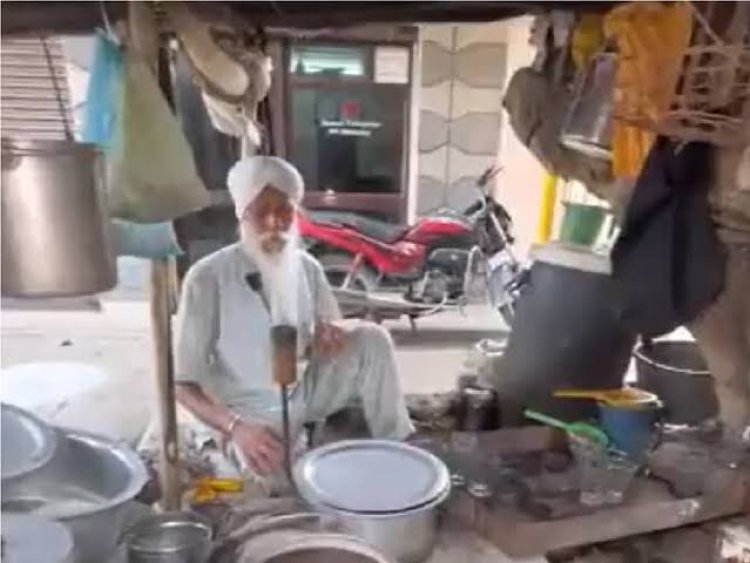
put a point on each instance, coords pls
(161, 314)
(144, 37)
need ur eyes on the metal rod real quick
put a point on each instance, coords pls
(58, 91)
(287, 432)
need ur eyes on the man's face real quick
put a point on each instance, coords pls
(269, 218)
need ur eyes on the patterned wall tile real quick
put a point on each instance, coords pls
(433, 131)
(438, 33)
(462, 164)
(467, 99)
(481, 65)
(462, 193)
(433, 163)
(476, 133)
(491, 32)
(436, 63)
(430, 195)
(436, 98)
(463, 73)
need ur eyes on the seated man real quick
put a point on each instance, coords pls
(223, 348)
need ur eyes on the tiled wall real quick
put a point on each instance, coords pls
(463, 71)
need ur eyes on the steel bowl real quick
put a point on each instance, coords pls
(87, 485)
(170, 537)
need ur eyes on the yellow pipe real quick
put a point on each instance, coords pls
(546, 208)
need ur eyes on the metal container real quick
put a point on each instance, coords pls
(31, 539)
(55, 240)
(27, 444)
(676, 371)
(588, 127)
(383, 492)
(300, 546)
(171, 537)
(87, 486)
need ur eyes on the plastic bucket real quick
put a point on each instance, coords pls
(632, 430)
(581, 223)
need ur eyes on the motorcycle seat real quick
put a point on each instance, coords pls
(381, 231)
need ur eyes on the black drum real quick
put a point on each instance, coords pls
(567, 333)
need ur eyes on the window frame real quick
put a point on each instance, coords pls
(388, 205)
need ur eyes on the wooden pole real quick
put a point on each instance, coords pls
(161, 315)
(145, 37)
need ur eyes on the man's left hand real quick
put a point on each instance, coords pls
(329, 340)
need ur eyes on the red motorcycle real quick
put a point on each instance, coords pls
(431, 264)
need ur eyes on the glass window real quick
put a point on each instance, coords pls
(328, 61)
(349, 138)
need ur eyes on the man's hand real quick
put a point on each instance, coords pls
(262, 449)
(329, 340)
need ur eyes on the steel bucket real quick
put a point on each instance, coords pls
(55, 239)
(678, 374)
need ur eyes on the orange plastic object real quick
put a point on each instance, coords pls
(207, 489)
(624, 397)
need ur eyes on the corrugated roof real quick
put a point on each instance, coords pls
(30, 108)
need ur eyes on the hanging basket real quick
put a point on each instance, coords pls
(707, 96)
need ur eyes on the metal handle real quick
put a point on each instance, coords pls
(56, 87)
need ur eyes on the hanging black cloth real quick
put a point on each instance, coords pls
(668, 263)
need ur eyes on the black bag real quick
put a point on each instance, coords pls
(668, 263)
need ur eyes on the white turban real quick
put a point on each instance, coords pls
(249, 176)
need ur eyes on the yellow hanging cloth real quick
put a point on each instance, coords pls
(651, 39)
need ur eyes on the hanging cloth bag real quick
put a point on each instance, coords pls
(151, 172)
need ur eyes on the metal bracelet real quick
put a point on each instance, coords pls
(233, 424)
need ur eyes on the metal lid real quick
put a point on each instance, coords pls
(27, 538)
(371, 476)
(26, 443)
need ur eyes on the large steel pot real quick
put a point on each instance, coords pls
(87, 485)
(408, 536)
(299, 546)
(170, 537)
(55, 240)
(385, 493)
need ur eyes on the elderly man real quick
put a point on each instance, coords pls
(228, 304)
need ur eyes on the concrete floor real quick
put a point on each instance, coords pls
(113, 392)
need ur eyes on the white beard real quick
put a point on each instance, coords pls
(279, 272)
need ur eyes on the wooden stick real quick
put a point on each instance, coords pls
(161, 313)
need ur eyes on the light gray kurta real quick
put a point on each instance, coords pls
(223, 344)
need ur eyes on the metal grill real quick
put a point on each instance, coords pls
(30, 107)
